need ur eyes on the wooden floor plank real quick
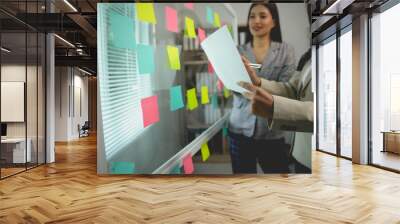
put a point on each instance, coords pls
(69, 191)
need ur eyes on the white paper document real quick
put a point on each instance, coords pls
(225, 58)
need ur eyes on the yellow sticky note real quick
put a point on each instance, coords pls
(204, 95)
(191, 99)
(205, 152)
(217, 21)
(173, 57)
(189, 28)
(145, 12)
(227, 93)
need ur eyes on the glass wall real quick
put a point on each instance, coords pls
(346, 93)
(327, 95)
(385, 89)
(22, 92)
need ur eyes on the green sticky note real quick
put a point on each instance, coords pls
(176, 99)
(191, 99)
(145, 54)
(210, 15)
(189, 28)
(145, 12)
(214, 100)
(230, 30)
(204, 95)
(122, 31)
(225, 131)
(217, 21)
(205, 152)
(176, 170)
(173, 57)
(122, 168)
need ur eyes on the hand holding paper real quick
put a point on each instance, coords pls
(225, 59)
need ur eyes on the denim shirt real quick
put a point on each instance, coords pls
(278, 65)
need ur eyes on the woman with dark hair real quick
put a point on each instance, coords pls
(250, 140)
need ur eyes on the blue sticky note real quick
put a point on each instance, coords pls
(122, 168)
(122, 31)
(176, 170)
(145, 55)
(214, 100)
(176, 99)
(210, 15)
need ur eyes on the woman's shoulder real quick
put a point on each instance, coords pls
(244, 48)
(284, 47)
(285, 52)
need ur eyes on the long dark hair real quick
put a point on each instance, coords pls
(276, 34)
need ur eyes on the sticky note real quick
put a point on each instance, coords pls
(214, 100)
(191, 99)
(122, 31)
(227, 93)
(145, 55)
(150, 110)
(145, 12)
(210, 15)
(176, 99)
(220, 85)
(171, 19)
(230, 30)
(225, 131)
(176, 170)
(205, 152)
(189, 28)
(188, 164)
(210, 68)
(204, 95)
(217, 21)
(122, 168)
(189, 5)
(201, 34)
(173, 57)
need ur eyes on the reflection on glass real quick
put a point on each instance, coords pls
(385, 86)
(327, 97)
(346, 94)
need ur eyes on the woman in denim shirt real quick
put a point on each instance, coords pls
(250, 140)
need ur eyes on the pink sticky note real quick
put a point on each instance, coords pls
(189, 5)
(210, 68)
(171, 17)
(150, 110)
(202, 34)
(188, 164)
(220, 85)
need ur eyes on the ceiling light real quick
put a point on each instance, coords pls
(65, 41)
(70, 5)
(5, 50)
(84, 71)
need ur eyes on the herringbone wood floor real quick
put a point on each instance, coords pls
(69, 191)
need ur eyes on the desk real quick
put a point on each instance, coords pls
(391, 141)
(15, 148)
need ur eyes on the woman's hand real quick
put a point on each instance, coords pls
(253, 76)
(262, 102)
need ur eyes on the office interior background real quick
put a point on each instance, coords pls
(49, 102)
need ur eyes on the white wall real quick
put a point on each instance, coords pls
(69, 82)
(295, 26)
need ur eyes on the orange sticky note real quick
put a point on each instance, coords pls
(188, 164)
(150, 110)
(189, 28)
(191, 99)
(204, 95)
(171, 17)
(205, 152)
(145, 12)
